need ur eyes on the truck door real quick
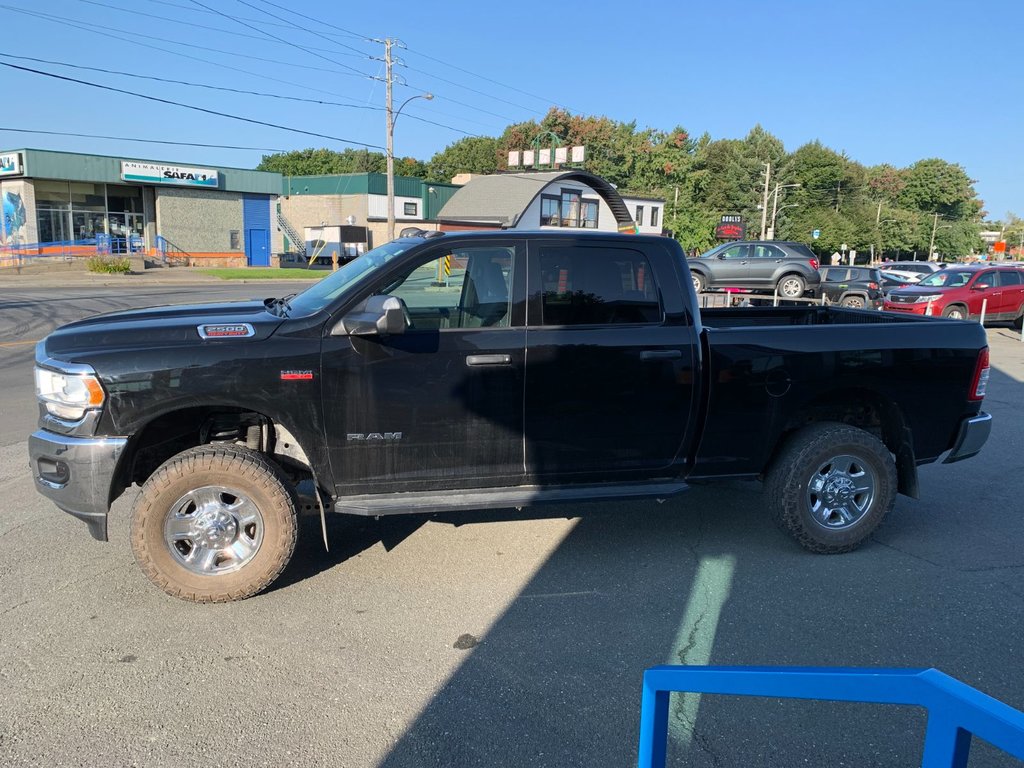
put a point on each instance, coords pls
(441, 405)
(610, 370)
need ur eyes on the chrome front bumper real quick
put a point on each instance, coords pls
(76, 474)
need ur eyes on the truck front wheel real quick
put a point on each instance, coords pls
(214, 524)
(831, 486)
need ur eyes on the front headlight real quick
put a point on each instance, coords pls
(68, 395)
(926, 299)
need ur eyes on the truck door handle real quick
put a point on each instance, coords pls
(489, 360)
(661, 354)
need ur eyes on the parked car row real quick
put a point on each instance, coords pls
(791, 270)
(963, 292)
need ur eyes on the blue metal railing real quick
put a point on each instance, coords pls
(955, 710)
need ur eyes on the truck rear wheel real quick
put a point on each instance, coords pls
(831, 486)
(214, 524)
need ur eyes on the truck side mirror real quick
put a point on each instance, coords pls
(377, 316)
(981, 286)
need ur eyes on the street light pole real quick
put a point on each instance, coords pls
(935, 226)
(775, 205)
(391, 119)
(764, 204)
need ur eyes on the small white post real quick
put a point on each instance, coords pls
(928, 309)
(775, 299)
(984, 306)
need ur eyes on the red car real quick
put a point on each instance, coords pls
(960, 292)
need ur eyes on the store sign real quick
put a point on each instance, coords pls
(10, 165)
(151, 173)
(731, 227)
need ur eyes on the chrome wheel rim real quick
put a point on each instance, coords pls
(696, 284)
(792, 288)
(841, 492)
(213, 530)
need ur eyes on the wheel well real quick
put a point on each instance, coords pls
(866, 410)
(171, 433)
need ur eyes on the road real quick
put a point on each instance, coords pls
(485, 640)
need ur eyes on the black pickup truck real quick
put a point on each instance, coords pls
(487, 370)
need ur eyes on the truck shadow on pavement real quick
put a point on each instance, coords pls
(707, 579)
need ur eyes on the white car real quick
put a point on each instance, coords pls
(902, 275)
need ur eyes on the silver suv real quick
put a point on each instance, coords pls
(791, 269)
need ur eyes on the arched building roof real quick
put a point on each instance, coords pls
(502, 199)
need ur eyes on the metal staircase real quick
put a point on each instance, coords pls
(296, 242)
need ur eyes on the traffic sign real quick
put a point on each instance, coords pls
(816, 234)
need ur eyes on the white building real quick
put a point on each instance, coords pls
(566, 199)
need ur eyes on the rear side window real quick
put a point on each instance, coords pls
(1008, 277)
(596, 286)
(801, 251)
(834, 275)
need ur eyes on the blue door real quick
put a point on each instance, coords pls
(257, 247)
(256, 221)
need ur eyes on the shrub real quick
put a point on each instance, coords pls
(109, 266)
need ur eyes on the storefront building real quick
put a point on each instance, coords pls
(63, 203)
(329, 203)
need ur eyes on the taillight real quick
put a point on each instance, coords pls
(814, 263)
(873, 286)
(979, 383)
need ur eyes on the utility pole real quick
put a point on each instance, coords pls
(878, 215)
(931, 245)
(775, 209)
(764, 204)
(391, 140)
(839, 191)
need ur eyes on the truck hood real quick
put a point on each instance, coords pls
(245, 321)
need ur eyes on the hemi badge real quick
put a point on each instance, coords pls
(234, 331)
(296, 375)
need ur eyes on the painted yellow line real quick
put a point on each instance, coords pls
(16, 343)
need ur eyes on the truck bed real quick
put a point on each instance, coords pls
(736, 317)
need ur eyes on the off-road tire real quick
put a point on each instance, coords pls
(234, 467)
(795, 467)
(853, 302)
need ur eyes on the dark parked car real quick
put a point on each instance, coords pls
(855, 287)
(789, 268)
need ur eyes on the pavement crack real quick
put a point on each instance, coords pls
(908, 554)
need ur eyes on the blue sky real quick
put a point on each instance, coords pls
(883, 81)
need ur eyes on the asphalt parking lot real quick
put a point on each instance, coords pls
(495, 639)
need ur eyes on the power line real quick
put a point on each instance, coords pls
(222, 88)
(105, 31)
(142, 141)
(482, 77)
(190, 84)
(304, 29)
(190, 106)
(267, 34)
(418, 53)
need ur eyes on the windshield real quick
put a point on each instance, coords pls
(947, 278)
(319, 295)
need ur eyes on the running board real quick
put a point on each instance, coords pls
(420, 502)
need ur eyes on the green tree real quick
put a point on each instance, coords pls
(319, 162)
(473, 154)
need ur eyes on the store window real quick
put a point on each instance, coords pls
(588, 218)
(654, 215)
(410, 209)
(549, 210)
(639, 215)
(571, 199)
(53, 211)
